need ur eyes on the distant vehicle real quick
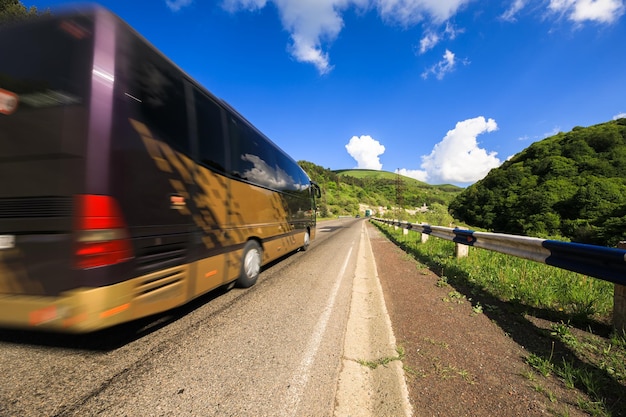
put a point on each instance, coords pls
(368, 213)
(358, 216)
(127, 188)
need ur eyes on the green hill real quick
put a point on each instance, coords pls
(365, 173)
(372, 173)
(349, 192)
(399, 190)
(571, 185)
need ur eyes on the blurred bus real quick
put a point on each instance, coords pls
(126, 188)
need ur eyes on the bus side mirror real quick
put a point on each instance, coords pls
(317, 192)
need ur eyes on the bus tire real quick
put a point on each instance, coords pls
(307, 240)
(250, 264)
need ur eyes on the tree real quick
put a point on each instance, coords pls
(569, 185)
(14, 10)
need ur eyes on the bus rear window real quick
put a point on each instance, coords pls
(45, 62)
(45, 78)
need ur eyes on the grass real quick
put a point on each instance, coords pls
(578, 307)
(383, 361)
(514, 279)
(454, 297)
(440, 370)
(477, 309)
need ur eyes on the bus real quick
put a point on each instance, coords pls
(127, 188)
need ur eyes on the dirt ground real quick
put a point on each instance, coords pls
(460, 360)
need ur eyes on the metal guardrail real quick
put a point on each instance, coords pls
(601, 262)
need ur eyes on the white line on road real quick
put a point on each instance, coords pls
(301, 376)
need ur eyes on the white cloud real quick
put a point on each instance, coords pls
(431, 38)
(555, 130)
(309, 22)
(365, 150)
(312, 24)
(418, 174)
(450, 31)
(410, 12)
(447, 64)
(457, 158)
(512, 11)
(619, 116)
(249, 5)
(429, 41)
(601, 11)
(176, 5)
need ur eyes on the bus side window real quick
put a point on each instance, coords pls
(252, 156)
(162, 96)
(211, 152)
(288, 173)
(305, 183)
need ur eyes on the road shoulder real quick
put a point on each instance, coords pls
(459, 361)
(371, 382)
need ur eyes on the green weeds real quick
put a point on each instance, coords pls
(382, 361)
(477, 309)
(454, 297)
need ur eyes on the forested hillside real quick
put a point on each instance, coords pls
(14, 10)
(570, 185)
(346, 192)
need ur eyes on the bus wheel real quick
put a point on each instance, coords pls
(250, 264)
(307, 240)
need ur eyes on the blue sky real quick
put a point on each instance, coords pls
(442, 90)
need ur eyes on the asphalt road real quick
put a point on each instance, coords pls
(275, 349)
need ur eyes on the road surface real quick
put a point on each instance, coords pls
(293, 345)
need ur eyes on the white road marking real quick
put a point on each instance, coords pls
(301, 376)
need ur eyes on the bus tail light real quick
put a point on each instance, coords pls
(101, 233)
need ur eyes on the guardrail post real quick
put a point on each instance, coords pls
(619, 303)
(460, 250)
(425, 237)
